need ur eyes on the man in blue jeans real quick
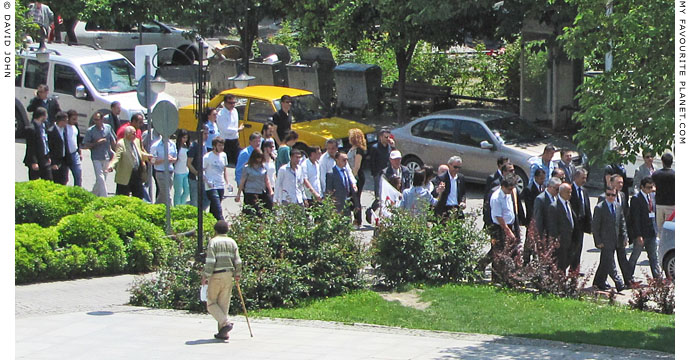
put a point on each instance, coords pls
(216, 176)
(193, 165)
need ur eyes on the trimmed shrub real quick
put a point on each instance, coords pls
(408, 249)
(83, 229)
(34, 253)
(45, 203)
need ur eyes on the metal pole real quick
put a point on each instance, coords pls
(201, 146)
(147, 76)
(166, 185)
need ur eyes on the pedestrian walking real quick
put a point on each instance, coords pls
(255, 185)
(216, 176)
(158, 152)
(229, 127)
(42, 100)
(74, 141)
(269, 161)
(283, 118)
(36, 157)
(212, 125)
(222, 269)
(193, 165)
(58, 149)
(181, 177)
(355, 158)
(100, 140)
(129, 164)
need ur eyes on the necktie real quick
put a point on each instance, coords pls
(136, 156)
(567, 211)
(649, 203)
(345, 181)
(613, 211)
(582, 198)
(64, 140)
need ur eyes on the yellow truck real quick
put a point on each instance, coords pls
(311, 120)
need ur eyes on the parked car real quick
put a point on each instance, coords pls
(479, 136)
(667, 247)
(82, 78)
(123, 39)
(311, 120)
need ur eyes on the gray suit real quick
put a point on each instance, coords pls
(336, 187)
(612, 233)
(560, 227)
(640, 173)
(541, 209)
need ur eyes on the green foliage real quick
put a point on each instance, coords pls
(287, 255)
(633, 103)
(23, 25)
(33, 251)
(45, 202)
(83, 229)
(409, 249)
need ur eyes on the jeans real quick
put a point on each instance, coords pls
(194, 194)
(99, 168)
(181, 184)
(75, 167)
(215, 196)
(160, 181)
(650, 246)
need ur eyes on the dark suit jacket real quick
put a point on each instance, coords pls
(584, 215)
(490, 180)
(607, 230)
(558, 224)
(624, 202)
(335, 187)
(56, 145)
(569, 171)
(406, 176)
(35, 147)
(640, 222)
(460, 182)
(379, 158)
(52, 107)
(528, 195)
(541, 209)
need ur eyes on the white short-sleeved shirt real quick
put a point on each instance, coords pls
(502, 205)
(214, 170)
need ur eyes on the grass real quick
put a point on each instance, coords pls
(488, 310)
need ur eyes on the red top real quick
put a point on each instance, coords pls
(121, 132)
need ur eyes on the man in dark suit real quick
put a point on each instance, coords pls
(530, 193)
(665, 182)
(538, 225)
(610, 232)
(565, 163)
(60, 157)
(561, 223)
(36, 157)
(491, 179)
(338, 184)
(42, 101)
(621, 199)
(583, 216)
(454, 184)
(643, 229)
(396, 169)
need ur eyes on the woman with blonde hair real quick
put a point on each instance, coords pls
(355, 157)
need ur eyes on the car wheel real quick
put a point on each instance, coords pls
(522, 180)
(178, 59)
(670, 265)
(413, 163)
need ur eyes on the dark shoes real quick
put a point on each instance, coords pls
(223, 332)
(368, 216)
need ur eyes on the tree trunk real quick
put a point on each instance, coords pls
(69, 28)
(403, 57)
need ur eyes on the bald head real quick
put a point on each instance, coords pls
(564, 190)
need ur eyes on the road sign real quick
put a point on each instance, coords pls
(164, 118)
(141, 93)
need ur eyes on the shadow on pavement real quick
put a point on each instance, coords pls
(203, 341)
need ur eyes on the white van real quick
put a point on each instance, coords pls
(82, 78)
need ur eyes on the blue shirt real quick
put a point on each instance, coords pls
(158, 152)
(548, 169)
(242, 159)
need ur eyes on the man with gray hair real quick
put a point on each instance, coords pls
(542, 203)
(561, 224)
(453, 196)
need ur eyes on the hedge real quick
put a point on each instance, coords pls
(66, 232)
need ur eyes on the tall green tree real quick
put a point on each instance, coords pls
(23, 25)
(70, 11)
(633, 103)
(402, 24)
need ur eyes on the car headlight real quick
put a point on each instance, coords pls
(371, 137)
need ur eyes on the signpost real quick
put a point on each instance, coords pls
(165, 120)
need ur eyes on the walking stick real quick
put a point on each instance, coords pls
(244, 308)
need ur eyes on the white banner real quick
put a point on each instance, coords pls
(390, 198)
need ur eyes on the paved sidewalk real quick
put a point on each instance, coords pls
(87, 319)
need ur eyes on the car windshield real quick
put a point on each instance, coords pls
(114, 76)
(306, 108)
(515, 130)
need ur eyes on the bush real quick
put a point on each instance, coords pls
(287, 255)
(408, 249)
(659, 291)
(34, 254)
(45, 202)
(83, 229)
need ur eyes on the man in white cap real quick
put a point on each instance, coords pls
(396, 169)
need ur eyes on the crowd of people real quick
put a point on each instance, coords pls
(271, 170)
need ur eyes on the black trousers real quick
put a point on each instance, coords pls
(253, 202)
(135, 187)
(576, 249)
(232, 149)
(42, 173)
(357, 200)
(61, 175)
(623, 264)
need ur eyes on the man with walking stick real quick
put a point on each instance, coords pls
(223, 265)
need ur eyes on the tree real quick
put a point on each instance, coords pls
(401, 25)
(633, 103)
(70, 11)
(24, 25)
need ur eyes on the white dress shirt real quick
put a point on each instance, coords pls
(228, 123)
(312, 173)
(453, 195)
(288, 185)
(502, 206)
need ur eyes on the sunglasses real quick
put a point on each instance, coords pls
(609, 194)
(457, 167)
(232, 102)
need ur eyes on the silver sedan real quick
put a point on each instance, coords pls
(480, 137)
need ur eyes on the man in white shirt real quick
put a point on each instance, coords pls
(312, 172)
(158, 152)
(289, 181)
(73, 143)
(327, 162)
(229, 127)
